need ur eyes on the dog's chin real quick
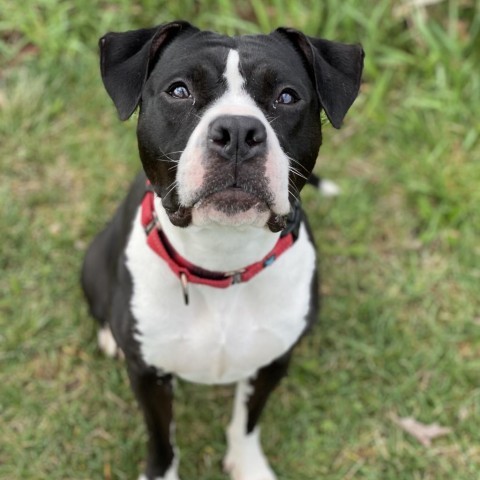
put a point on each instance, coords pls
(231, 207)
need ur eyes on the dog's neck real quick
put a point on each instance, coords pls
(216, 247)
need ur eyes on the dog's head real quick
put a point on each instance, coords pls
(229, 127)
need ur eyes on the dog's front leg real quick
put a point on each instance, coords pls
(154, 393)
(245, 459)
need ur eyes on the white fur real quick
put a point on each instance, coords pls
(190, 171)
(328, 188)
(232, 74)
(223, 335)
(107, 343)
(245, 459)
(218, 247)
(170, 474)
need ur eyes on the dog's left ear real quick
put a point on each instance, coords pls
(336, 68)
(126, 60)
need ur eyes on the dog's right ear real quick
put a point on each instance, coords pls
(126, 62)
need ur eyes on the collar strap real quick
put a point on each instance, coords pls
(190, 273)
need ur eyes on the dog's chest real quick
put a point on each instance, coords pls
(223, 335)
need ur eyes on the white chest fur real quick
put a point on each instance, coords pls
(223, 335)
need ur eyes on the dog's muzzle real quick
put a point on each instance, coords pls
(233, 172)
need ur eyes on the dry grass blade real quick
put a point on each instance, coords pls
(422, 432)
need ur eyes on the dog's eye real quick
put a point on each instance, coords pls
(179, 90)
(287, 97)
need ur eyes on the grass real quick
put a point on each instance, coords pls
(400, 327)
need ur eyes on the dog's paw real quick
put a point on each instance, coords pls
(256, 470)
(169, 475)
(245, 459)
(108, 345)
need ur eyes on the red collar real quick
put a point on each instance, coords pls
(190, 273)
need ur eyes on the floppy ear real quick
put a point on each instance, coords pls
(337, 71)
(126, 60)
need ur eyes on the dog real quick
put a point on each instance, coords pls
(207, 271)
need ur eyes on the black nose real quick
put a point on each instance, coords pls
(237, 138)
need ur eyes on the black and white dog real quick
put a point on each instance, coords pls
(207, 270)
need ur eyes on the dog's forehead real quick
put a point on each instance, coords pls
(208, 51)
(268, 60)
(273, 48)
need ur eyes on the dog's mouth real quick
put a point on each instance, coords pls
(229, 205)
(233, 200)
(236, 206)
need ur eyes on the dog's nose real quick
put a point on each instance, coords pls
(237, 137)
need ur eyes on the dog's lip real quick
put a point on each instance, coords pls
(233, 194)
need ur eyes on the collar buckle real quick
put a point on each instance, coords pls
(153, 223)
(235, 275)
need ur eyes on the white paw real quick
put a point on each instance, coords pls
(245, 459)
(107, 343)
(171, 474)
(241, 471)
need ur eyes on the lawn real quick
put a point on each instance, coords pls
(399, 334)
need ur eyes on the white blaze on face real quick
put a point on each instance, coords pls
(232, 74)
(191, 171)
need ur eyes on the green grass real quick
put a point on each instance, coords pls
(400, 257)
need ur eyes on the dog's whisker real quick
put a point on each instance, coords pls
(300, 164)
(168, 157)
(295, 193)
(294, 196)
(296, 172)
(171, 188)
(290, 181)
(167, 160)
